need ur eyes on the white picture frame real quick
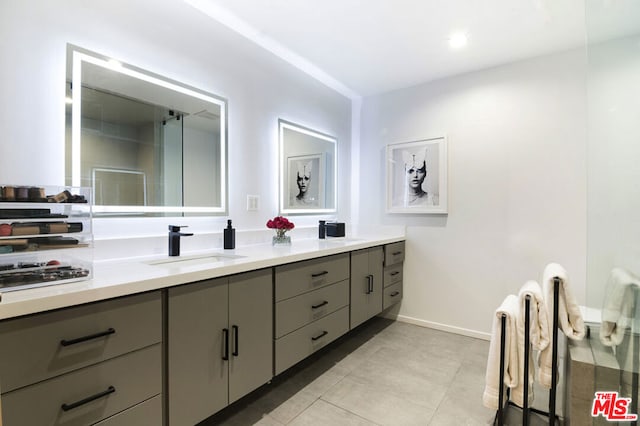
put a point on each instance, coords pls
(409, 190)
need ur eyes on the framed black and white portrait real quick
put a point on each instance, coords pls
(306, 181)
(417, 176)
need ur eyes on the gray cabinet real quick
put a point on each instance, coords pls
(393, 266)
(219, 343)
(251, 321)
(82, 365)
(148, 412)
(298, 278)
(394, 253)
(311, 307)
(89, 394)
(366, 284)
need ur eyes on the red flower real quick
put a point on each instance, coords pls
(280, 222)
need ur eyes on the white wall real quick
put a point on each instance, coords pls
(167, 37)
(517, 185)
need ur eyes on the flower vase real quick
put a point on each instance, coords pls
(281, 238)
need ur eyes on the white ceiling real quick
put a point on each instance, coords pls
(365, 47)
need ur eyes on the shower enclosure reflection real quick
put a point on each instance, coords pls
(145, 144)
(613, 233)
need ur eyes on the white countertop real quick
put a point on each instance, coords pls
(121, 277)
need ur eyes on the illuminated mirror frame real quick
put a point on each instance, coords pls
(284, 189)
(78, 56)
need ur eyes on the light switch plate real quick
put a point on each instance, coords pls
(253, 203)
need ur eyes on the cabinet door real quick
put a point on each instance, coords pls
(251, 326)
(366, 284)
(197, 372)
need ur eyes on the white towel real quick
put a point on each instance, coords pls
(569, 316)
(617, 312)
(538, 335)
(510, 309)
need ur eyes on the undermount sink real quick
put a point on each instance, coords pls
(179, 261)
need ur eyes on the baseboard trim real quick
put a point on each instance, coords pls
(442, 327)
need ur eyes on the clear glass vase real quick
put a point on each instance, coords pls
(281, 238)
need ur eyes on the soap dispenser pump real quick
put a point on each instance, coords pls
(229, 236)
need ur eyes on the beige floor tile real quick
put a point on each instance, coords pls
(322, 413)
(377, 405)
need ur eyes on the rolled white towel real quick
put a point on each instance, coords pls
(509, 308)
(569, 316)
(617, 312)
(538, 335)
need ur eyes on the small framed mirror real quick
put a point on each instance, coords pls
(147, 145)
(308, 170)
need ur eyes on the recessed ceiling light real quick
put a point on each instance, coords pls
(457, 40)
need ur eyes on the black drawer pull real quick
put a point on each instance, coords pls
(85, 338)
(67, 407)
(394, 294)
(395, 253)
(324, 333)
(225, 334)
(236, 335)
(393, 274)
(319, 305)
(319, 274)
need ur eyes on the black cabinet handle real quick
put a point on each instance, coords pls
(225, 333)
(236, 335)
(395, 253)
(85, 338)
(394, 273)
(319, 274)
(319, 305)
(369, 284)
(394, 294)
(324, 333)
(67, 407)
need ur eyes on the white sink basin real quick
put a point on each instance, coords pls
(180, 261)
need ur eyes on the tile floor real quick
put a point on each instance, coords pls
(382, 373)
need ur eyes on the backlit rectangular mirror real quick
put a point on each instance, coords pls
(147, 145)
(308, 171)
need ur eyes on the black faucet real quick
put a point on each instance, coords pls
(174, 239)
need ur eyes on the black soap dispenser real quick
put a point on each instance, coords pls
(229, 236)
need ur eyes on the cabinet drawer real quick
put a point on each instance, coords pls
(298, 278)
(392, 295)
(42, 346)
(148, 412)
(136, 377)
(298, 345)
(299, 311)
(392, 274)
(393, 253)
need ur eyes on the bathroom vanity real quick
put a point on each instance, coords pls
(180, 339)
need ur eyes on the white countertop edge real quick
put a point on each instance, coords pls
(122, 277)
